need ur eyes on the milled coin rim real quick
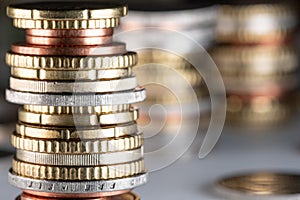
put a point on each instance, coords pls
(127, 97)
(76, 186)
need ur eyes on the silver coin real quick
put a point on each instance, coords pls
(76, 186)
(128, 97)
(80, 159)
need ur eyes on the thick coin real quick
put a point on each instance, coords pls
(261, 185)
(128, 97)
(58, 74)
(57, 110)
(104, 86)
(67, 10)
(40, 132)
(66, 24)
(97, 196)
(80, 159)
(75, 187)
(56, 41)
(126, 60)
(115, 48)
(77, 146)
(67, 120)
(76, 173)
(77, 33)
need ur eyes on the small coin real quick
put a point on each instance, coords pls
(260, 185)
(59, 74)
(79, 159)
(104, 86)
(56, 41)
(128, 97)
(66, 24)
(77, 33)
(77, 173)
(67, 120)
(66, 10)
(115, 48)
(126, 60)
(77, 145)
(44, 132)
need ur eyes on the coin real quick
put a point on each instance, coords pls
(116, 85)
(71, 33)
(53, 74)
(56, 41)
(95, 50)
(77, 146)
(129, 59)
(66, 10)
(87, 133)
(260, 185)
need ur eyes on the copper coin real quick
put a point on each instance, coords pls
(71, 32)
(55, 41)
(53, 196)
(115, 48)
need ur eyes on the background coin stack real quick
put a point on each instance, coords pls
(77, 135)
(257, 59)
(166, 76)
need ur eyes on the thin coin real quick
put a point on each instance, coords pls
(78, 119)
(118, 195)
(44, 132)
(127, 97)
(57, 41)
(67, 10)
(59, 74)
(77, 187)
(34, 86)
(111, 49)
(77, 33)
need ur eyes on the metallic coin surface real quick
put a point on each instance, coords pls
(66, 24)
(77, 146)
(77, 33)
(76, 187)
(105, 86)
(66, 10)
(79, 159)
(52, 41)
(260, 185)
(87, 133)
(129, 59)
(121, 195)
(128, 97)
(70, 75)
(95, 50)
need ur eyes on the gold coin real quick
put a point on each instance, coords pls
(77, 119)
(64, 173)
(262, 184)
(66, 24)
(126, 60)
(51, 74)
(44, 132)
(77, 145)
(57, 110)
(66, 11)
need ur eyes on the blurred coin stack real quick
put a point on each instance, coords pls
(167, 76)
(257, 59)
(77, 135)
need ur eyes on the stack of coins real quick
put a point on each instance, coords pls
(257, 60)
(77, 135)
(169, 77)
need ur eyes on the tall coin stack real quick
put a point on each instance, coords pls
(77, 135)
(257, 60)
